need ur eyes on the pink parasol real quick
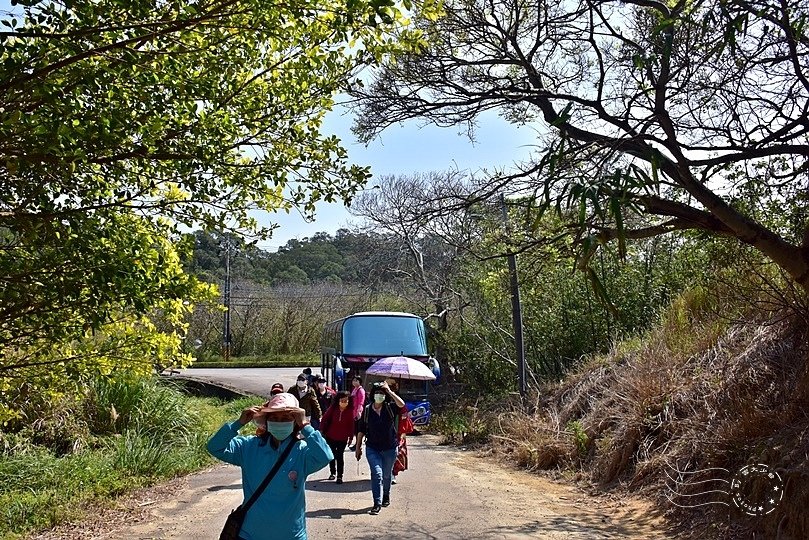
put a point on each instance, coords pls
(401, 367)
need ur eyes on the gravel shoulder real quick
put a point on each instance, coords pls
(447, 493)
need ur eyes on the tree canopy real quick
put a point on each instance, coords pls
(121, 121)
(359, 258)
(663, 115)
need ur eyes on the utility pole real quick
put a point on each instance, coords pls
(226, 294)
(516, 308)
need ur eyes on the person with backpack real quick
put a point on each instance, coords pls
(324, 395)
(378, 427)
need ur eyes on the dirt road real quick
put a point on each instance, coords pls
(447, 494)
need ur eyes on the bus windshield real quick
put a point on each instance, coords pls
(384, 336)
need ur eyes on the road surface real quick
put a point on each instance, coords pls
(448, 493)
(256, 381)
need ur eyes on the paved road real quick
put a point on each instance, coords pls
(446, 494)
(256, 381)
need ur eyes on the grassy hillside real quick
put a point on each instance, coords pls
(676, 416)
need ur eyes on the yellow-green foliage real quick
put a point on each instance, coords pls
(98, 176)
(125, 315)
(695, 307)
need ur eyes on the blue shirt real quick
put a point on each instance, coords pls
(280, 511)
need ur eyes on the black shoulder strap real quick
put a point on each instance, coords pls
(396, 414)
(257, 493)
(388, 406)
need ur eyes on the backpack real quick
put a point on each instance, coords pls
(402, 422)
(367, 410)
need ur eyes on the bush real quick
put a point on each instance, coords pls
(126, 403)
(690, 394)
(133, 432)
(465, 419)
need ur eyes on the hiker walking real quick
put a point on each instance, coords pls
(280, 510)
(378, 428)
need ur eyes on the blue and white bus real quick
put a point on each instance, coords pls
(352, 344)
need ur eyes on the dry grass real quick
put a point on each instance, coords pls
(699, 393)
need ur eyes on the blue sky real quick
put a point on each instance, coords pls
(401, 149)
(405, 149)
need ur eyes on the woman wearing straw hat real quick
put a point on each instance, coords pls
(279, 512)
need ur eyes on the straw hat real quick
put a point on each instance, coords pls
(282, 402)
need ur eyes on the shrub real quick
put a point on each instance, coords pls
(116, 405)
(461, 426)
(135, 432)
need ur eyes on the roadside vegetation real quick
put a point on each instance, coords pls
(77, 454)
(658, 237)
(720, 382)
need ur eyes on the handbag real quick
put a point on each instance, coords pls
(233, 525)
(401, 458)
(234, 522)
(406, 425)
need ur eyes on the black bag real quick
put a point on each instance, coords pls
(233, 525)
(234, 522)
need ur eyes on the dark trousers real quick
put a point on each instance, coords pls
(338, 448)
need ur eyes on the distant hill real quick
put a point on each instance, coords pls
(347, 258)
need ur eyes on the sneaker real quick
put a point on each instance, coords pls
(331, 477)
(386, 501)
(339, 480)
(352, 447)
(375, 510)
(393, 480)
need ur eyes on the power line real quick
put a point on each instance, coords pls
(299, 297)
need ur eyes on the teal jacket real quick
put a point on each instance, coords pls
(280, 511)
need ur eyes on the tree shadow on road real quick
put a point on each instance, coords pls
(335, 513)
(222, 488)
(349, 486)
(582, 527)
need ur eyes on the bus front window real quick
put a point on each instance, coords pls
(384, 336)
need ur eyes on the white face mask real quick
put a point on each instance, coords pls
(379, 398)
(301, 384)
